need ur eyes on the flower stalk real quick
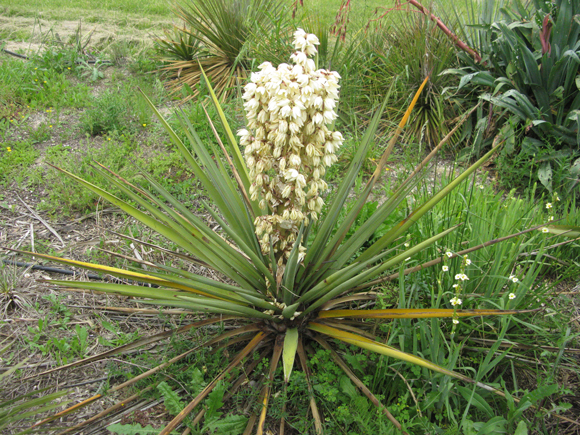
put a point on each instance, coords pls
(288, 145)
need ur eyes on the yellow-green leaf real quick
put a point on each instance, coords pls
(289, 353)
(389, 351)
(564, 230)
(404, 313)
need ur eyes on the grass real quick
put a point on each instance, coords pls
(64, 10)
(66, 135)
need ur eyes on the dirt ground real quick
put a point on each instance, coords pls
(29, 34)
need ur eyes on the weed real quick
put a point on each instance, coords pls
(106, 115)
(41, 133)
(118, 337)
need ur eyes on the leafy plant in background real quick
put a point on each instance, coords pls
(214, 37)
(530, 70)
(291, 277)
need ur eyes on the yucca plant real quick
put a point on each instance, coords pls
(410, 49)
(214, 36)
(285, 274)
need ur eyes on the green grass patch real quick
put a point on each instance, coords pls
(65, 10)
(15, 158)
(26, 84)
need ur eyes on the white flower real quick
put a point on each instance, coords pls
(551, 218)
(545, 230)
(549, 205)
(455, 285)
(512, 296)
(513, 278)
(291, 174)
(449, 254)
(407, 259)
(445, 268)
(467, 261)
(456, 301)
(455, 321)
(461, 277)
(407, 244)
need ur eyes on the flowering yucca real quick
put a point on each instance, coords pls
(286, 276)
(288, 145)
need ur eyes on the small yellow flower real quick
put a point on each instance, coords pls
(35, 80)
(108, 138)
(144, 125)
(68, 67)
(9, 149)
(50, 126)
(45, 81)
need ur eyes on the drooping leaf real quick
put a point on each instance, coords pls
(289, 353)
(571, 231)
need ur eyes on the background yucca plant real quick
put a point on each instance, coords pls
(214, 35)
(408, 48)
(276, 310)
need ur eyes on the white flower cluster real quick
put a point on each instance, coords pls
(288, 145)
